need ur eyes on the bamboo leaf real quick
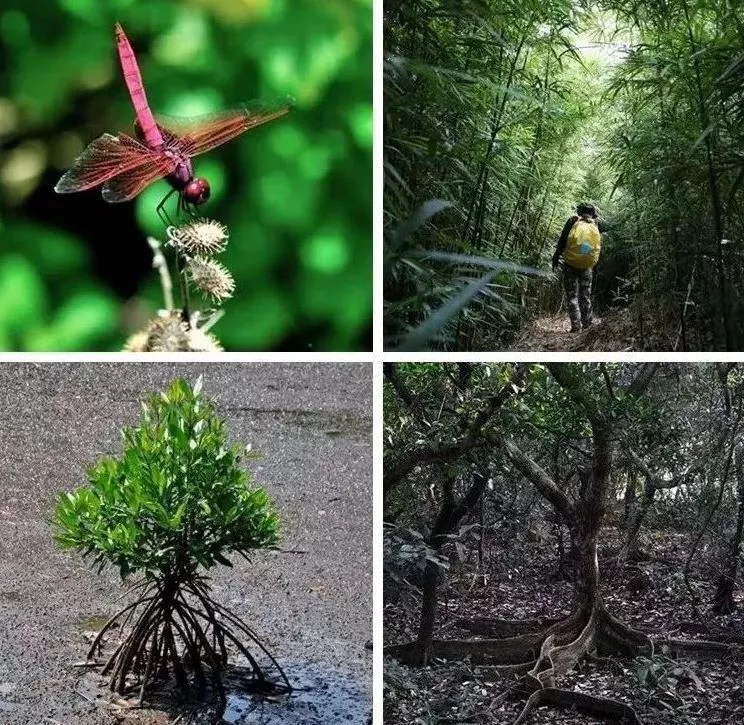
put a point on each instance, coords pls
(419, 217)
(486, 262)
(421, 336)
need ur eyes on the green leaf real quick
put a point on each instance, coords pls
(136, 507)
(420, 337)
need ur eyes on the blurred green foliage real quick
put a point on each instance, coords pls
(296, 194)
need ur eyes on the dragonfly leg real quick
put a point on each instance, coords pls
(183, 206)
(184, 286)
(187, 209)
(160, 209)
(190, 209)
(182, 283)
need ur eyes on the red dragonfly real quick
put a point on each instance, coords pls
(125, 165)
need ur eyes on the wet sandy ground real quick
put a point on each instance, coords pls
(313, 425)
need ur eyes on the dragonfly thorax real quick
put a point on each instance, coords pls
(196, 191)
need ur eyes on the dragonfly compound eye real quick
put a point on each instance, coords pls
(197, 191)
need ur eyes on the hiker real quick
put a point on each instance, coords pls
(579, 245)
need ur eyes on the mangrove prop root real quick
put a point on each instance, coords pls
(130, 608)
(179, 630)
(210, 604)
(598, 707)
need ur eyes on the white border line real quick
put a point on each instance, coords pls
(377, 593)
(377, 176)
(368, 357)
(187, 357)
(540, 357)
(377, 356)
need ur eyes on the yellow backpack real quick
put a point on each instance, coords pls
(583, 245)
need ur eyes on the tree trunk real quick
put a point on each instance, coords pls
(723, 601)
(587, 569)
(450, 514)
(631, 550)
(630, 495)
(566, 562)
(428, 613)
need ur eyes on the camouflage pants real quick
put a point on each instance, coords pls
(577, 284)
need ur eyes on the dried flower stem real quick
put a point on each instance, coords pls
(184, 285)
(194, 244)
(159, 262)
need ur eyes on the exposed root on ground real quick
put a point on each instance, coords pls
(517, 652)
(506, 627)
(599, 707)
(701, 649)
(179, 630)
(545, 649)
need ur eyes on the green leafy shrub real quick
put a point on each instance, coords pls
(172, 506)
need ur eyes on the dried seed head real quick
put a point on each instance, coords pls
(136, 342)
(211, 277)
(200, 341)
(199, 237)
(168, 333)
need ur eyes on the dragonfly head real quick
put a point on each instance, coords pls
(196, 191)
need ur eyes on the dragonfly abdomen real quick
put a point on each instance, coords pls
(133, 81)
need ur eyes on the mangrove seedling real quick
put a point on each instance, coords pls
(172, 506)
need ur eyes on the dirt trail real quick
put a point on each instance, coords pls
(554, 334)
(615, 332)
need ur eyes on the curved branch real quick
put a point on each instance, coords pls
(577, 390)
(654, 481)
(539, 478)
(404, 464)
(390, 371)
(642, 378)
(565, 375)
(600, 707)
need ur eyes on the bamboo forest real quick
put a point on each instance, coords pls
(501, 116)
(563, 543)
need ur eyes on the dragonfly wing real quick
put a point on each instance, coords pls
(109, 156)
(127, 185)
(197, 136)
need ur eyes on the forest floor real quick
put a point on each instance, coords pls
(311, 603)
(520, 583)
(616, 331)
